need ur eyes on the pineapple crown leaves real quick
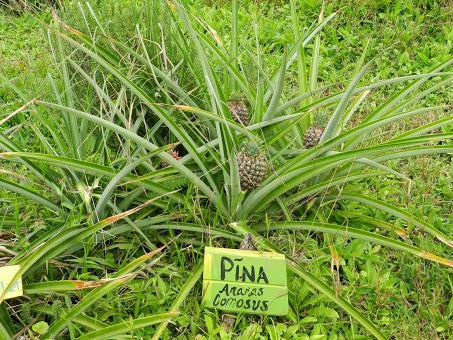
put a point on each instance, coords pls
(236, 97)
(250, 148)
(320, 119)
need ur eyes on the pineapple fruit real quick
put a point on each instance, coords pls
(253, 166)
(239, 110)
(247, 243)
(312, 136)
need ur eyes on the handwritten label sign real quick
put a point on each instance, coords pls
(251, 282)
(6, 276)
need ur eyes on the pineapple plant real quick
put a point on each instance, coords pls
(239, 110)
(253, 166)
(204, 168)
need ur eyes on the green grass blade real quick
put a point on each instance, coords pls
(128, 326)
(331, 182)
(348, 135)
(278, 184)
(60, 242)
(390, 105)
(403, 93)
(374, 221)
(353, 108)
(424, 128)
(234, 40)
(292, 53)
(117, 179)
(8, 145)
(6, 325)
(183, 294)
(69, 96)
(209, 231)
(334, 98)
(302, 74)
(81, 319)
(315, 56)
(176, 128)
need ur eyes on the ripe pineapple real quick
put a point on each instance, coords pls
(239, 110)
(252, 165)
(312, 136)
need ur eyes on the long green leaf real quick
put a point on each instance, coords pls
(398, 213)
(360, 234)
(277, 88)
(94, 169)
(60, 242)
(333, 126)
(61, 286)
(140, 141)
(120, 277)
(276, 185)
(87, 301)
(81, 319)
(334, 98)
(180, 133)
(31, 195)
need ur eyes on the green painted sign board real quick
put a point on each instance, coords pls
(245, 281)
(7, 274)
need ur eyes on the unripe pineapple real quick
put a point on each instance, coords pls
(252, 164)
(247, 243)
(312, 136)
(239, 110)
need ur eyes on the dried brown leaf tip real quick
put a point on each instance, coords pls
(79, 284)
(152, 253)
(437, 259)
(114, 218)
(174, 154)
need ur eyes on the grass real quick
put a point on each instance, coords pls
(109, 110)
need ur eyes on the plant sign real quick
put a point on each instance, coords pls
(245, 281)
(7, 274)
